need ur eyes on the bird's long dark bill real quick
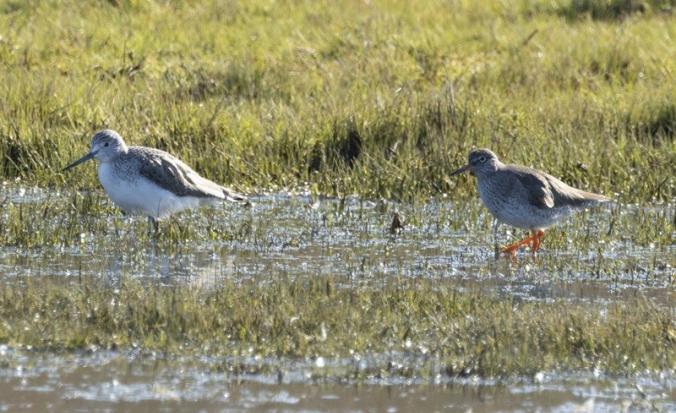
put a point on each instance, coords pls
(460, 170)
(85, 158)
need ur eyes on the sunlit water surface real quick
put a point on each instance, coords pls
(283, 235)
(134, 382)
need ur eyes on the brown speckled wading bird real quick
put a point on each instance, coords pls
(524, 197)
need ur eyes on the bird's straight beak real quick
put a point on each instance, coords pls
(85, 158)
(460, 170)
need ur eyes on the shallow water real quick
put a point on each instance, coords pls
(134, 382)
(593, 256)
(294, 236)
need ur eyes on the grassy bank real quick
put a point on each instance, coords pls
(379, 98)
(466, 333)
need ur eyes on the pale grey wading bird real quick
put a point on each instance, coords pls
(524, 197)
(150, 182)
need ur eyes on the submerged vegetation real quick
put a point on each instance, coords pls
(296, 279)
(382, 99)
(452, 333)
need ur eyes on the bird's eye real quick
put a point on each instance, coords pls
(106, 145)
(482, 159)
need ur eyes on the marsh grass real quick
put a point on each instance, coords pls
(74, 217)
(615, 9)
(415, 321)
(464, 333)
(377, 98)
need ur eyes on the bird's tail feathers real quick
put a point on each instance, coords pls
(588, 199)
(596, 197)
(234, 196)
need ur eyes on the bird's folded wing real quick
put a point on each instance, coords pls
(174, 176)
(537, 187)
(566, 195)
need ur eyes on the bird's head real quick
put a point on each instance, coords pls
(106, 145)
(479, 162)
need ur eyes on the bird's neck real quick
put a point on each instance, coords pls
(121, 152)
(489, 170)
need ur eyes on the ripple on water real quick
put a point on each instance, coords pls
(289, 236)
(296, 236)
(112, 381)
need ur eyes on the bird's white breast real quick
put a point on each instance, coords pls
(138, 195)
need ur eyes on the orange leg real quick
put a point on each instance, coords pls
(537, 240)
(512, 248)
(534, 241)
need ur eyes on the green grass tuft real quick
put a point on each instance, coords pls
(377, 98)
(467, 333)
(615, 9)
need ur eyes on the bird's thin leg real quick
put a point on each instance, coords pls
(129, 224)
(537, 240)
(496, 223)
(153, 227)
(511, 248)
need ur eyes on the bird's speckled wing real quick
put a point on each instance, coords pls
(566, 195)
(546, 191)
(536, 185)
(173, 175)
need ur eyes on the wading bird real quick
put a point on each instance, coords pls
(524, 197)
(150, 182)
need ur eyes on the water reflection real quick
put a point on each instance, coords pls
(284, 236)
(133, 382)
(296, 236)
